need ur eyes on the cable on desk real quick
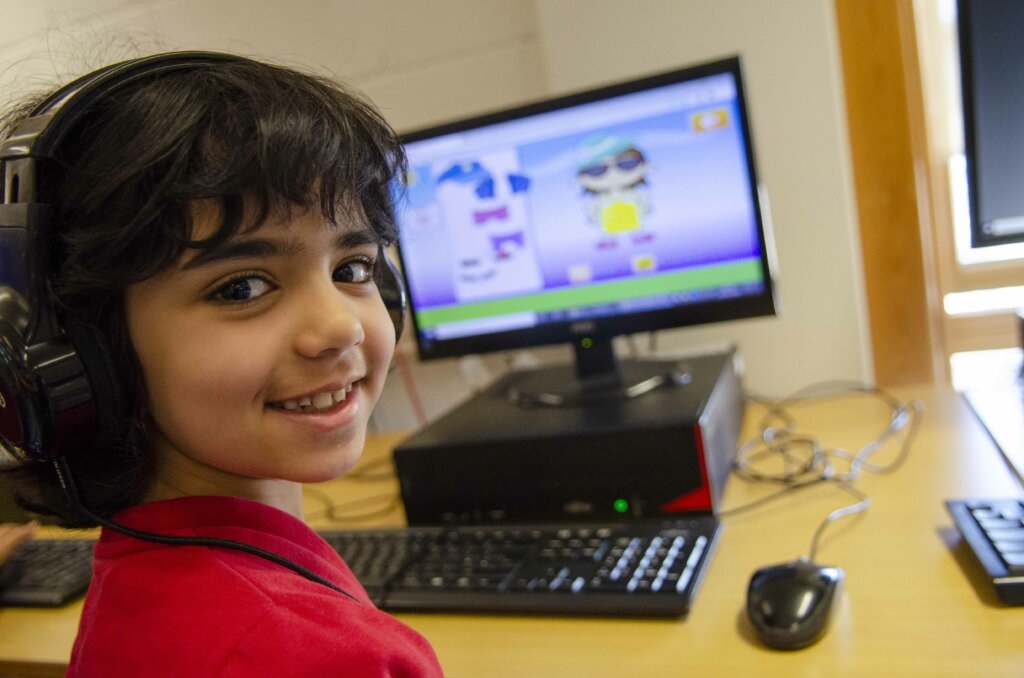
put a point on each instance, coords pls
(850, 510)
(336, 512)
(806, 462)
(758, 503)
(363, 473)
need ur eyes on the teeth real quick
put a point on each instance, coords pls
(318, 402)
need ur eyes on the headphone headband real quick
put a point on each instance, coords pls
(39, 135)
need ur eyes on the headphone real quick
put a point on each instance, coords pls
(56, 383)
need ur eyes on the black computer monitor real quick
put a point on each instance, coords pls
(992, 79)
(624, 209)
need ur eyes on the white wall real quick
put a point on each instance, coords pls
(425, 62)
(421, 62)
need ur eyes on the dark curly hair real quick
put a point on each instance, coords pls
(255, 138)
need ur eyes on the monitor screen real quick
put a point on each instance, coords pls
(624, 209)
(992, 78)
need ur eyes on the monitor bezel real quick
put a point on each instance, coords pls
(604, 328)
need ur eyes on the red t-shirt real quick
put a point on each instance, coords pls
(155, 610)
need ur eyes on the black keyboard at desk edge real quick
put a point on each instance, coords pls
(994, 531)
(641, 569)
(46, 573)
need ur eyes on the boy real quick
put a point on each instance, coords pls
(215, 255)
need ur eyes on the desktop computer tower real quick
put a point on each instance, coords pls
(491, 460)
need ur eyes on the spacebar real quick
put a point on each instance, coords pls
(595, 604)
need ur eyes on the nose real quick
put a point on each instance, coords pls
(327, 322)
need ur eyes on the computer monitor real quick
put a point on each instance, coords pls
(624, 209)
(992, 78)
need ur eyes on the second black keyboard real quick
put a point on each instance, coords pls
(641, 569)
(994, 531)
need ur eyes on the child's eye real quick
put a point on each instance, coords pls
(357, 271)
(241, 289)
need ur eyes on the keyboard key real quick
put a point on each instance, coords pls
(1009, 546)
(998, 523)
(1014, 561)
(1010, 510)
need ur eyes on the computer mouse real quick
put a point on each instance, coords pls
(790, 605)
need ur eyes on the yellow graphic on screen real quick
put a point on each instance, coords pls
(620, 217)
(642, 263)
(710, 120)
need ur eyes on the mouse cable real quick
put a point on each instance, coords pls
(807, 463)
(850, 510)
(861, 505)
(71, 492)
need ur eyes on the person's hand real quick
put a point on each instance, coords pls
(12, 534)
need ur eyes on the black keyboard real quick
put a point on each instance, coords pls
(645, 569)
(994, 529)
(46, 572)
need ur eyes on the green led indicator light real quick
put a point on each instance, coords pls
(587, 343)
(620, 505)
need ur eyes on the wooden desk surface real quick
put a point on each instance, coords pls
(914, 602)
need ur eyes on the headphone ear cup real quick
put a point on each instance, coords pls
(392, 291)
(46, 403)
(101, 371)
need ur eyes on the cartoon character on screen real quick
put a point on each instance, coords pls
(484, 204)
(613, 174)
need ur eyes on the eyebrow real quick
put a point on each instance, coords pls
(265, 248)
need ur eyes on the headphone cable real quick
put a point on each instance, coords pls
(71, 492)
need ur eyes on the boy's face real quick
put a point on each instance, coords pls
(264, 358)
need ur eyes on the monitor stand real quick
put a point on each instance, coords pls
(597, 376)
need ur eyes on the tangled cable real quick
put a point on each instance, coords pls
(806, 462)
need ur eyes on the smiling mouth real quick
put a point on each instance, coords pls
(320, 402)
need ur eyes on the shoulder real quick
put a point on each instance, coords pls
(168, 608)
(315, 638)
